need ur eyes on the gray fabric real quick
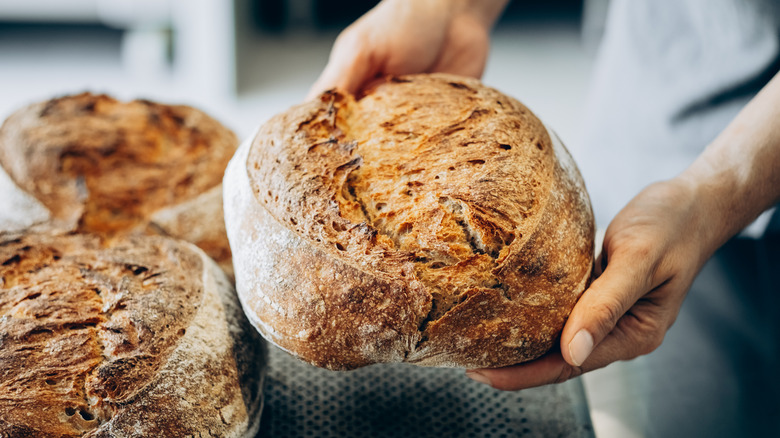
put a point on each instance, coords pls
(716, 373)
(406, 401)
(669, 76)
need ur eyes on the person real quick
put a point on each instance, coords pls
(718, 86)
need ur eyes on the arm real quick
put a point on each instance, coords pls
(411, 36)
(656, 245)
(739, 173)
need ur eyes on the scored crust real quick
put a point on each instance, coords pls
(434, 221)
(140, 336)
(105, 166)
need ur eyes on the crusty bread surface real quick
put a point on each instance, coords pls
(105, 166)
(434, 221)
(126, 337)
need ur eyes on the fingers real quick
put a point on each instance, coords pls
(626, 278)
(550, 368)
(638, 332)
(416, 38)
(348, 68)
(647, 265)
(608, 323)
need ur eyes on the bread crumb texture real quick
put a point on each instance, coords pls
(120, 338)
(433, 221)
(105, 166)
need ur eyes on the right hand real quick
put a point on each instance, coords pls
(404, 37)
(653, 250)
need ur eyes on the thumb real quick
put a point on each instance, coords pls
(349, 67)
(600, 307)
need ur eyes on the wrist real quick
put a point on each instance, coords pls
(736, 176)
(725, 196)
(486, 12)
(711, 219)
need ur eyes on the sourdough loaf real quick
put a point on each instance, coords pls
(434, 221)
(140, 336)
(104, 166)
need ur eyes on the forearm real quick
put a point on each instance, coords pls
(738, 175)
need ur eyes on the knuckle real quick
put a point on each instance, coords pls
(349, 39)
(642, 249)
(609, 310)
(649, 339)
(649, 259)
(653, 342)
(638, 249)
(568, 372)
(563, 375)
(639, 335)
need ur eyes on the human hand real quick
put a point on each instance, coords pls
(404, 37)
(652, 251)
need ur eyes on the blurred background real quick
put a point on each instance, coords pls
(244, 60)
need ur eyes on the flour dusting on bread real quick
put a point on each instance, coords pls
(434, 221)
(122, 337)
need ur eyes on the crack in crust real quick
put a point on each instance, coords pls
(103, 166)
(371, 194)
(434, 187)
(72, 329)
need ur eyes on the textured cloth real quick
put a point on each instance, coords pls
(669, 77)
(404, 401)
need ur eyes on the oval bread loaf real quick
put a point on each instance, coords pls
(131, 337)
(434, 221)
(104, 166)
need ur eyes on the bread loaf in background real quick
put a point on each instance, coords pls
(99, 165)
(434, 221)
(127, 337)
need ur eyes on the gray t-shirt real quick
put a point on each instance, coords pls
(670, 75)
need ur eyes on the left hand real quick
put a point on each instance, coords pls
(652, 251)
(403, 37)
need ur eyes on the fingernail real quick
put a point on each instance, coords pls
(477, 377)
(580, 347)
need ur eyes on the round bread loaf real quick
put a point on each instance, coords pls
(434, 221)
(140, 337)
(104, 166)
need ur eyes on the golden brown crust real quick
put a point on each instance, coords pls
(199, 221)
(117, 338)
(434, 193)
(105, 166)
